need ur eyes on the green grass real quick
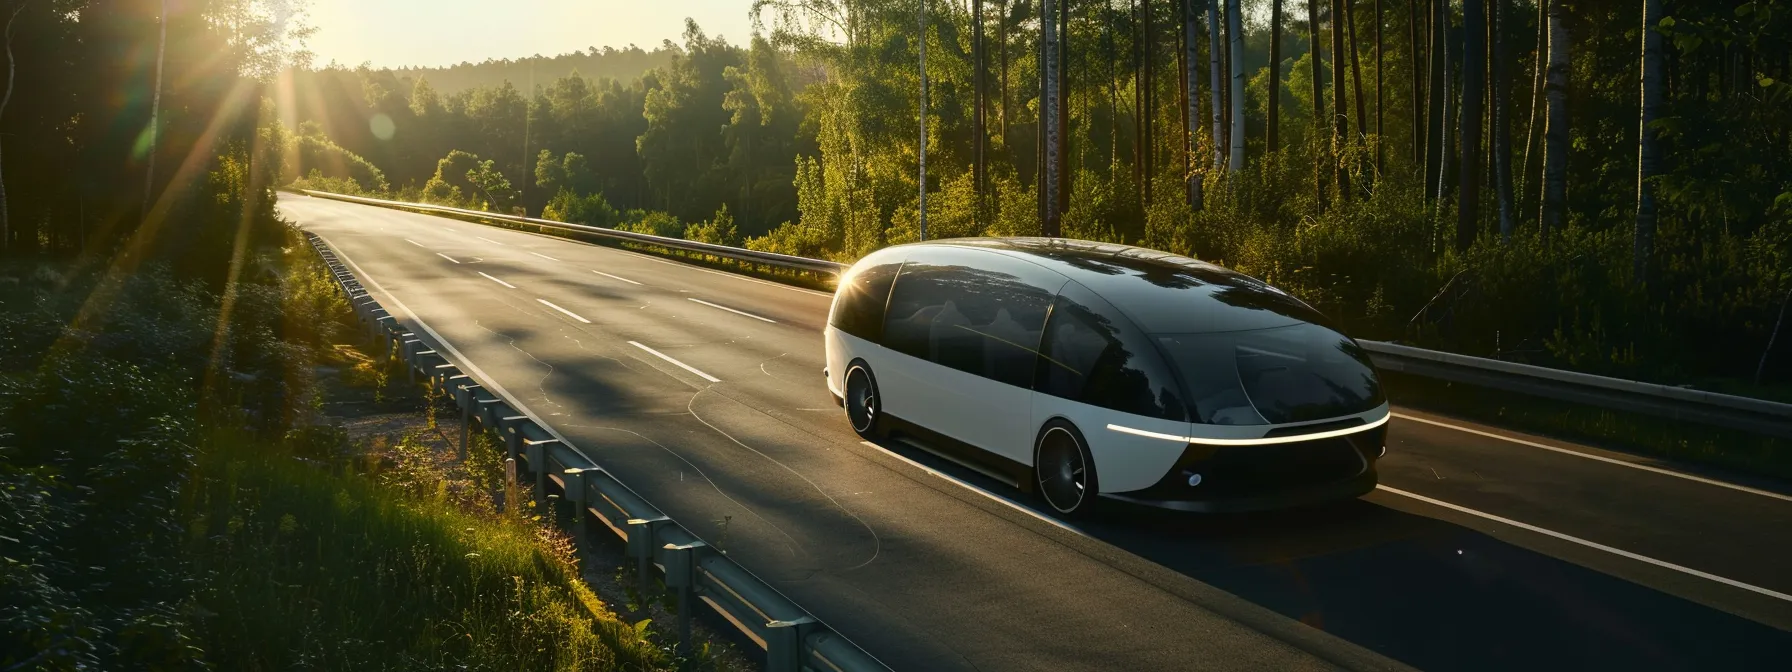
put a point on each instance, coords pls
(1616, 430)
(169, 500)
(312, 567)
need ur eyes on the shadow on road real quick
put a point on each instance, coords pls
(1429, 593)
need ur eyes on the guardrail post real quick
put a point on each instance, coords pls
(538, 463)
(513, 435)
(466, 417)
(681, 575)
(575, 495)
(640, 546)
(784, 644)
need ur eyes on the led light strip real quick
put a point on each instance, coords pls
(1252, 442)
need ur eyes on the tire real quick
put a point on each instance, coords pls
(1063, 469)
(863, 405)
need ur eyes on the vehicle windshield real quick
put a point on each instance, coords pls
(1272, 376)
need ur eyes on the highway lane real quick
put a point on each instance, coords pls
(929, 575)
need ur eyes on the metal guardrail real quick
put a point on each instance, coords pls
(581, 496)
(1709, 408)
(1677, 403)
(773, 259)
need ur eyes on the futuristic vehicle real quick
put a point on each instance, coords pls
(1078, 369)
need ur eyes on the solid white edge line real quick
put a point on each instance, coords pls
(538, 254)
(616, 277)
(1601, 458)
(501, 282)
(1250, 442)
(444, 256)
(731, 310)
(1591, 544)
(992, 496)
(488, 240)
(413, 242)
(677, 363)
(569, 313)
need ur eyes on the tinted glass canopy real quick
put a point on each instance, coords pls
(1163, 293)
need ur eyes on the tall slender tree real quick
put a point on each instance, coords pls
(979, 96)
(1380, 136)
(1272, 143)
(1213, 60)
(1555, 130)
(1502, 118)
(1340, 119)
(1065, 137)
(1235, 21)
(1648, 152)
(1319, 167)
(155, 108)
(1356, 75)
(1049, 132)
(922, 147)
(1418, 92)
(1531, 122)
(12, 68)
(1436, 96)
(1474, 68)
(1191, 102)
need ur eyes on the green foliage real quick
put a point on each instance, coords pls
(312, 155)
(719, 231)
(493, 188)
(451, 185)
(589, 209)
(653, 223)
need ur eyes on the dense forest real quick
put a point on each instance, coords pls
(1601, 185)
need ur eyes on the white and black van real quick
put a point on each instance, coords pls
(1078, 369)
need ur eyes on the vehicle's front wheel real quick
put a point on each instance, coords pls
(1064, 469)
(862, 402)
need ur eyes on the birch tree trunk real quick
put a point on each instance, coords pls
(1213, 61)
(1417, 91)
(1191, 102)
(1235, 22)
(1436, 94)
(1340, 118)
(1648, 156)
(1555, 131)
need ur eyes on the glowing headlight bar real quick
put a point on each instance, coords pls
(1252, 442)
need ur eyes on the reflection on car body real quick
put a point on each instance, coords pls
(1080, 369)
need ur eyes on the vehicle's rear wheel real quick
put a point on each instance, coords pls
(1064, 469)
(862, 403)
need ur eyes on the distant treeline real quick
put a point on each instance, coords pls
(607, 63)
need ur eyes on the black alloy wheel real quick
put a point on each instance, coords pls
(862, 403)
(1065, 472)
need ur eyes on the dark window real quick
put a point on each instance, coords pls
(1272, 376)
(1094, 355)
(859, 303)
(978, 312)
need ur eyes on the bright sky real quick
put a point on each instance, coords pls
(395, 33)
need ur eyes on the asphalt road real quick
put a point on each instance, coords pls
(1483, 550)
